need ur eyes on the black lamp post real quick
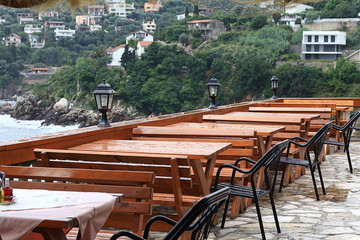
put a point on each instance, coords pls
(213, 88)
(103, 98)
(274, 86)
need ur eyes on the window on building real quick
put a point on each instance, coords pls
(316, 56)
(316, 38)
(317, 48)
(332, 38)
(329, 48)
(307, 56)
(309, 38)
(308, 48)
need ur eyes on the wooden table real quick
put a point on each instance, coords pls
(194, 150)
(264, 133)
(49, 212)
(304, 117)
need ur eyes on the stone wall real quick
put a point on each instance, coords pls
(333, 24)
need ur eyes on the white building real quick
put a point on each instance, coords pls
(24, 20)
(13, 39)
(50, 14)
(140, 35)
(95, 27)
(61, 32)
(290, 20)
(120, 7)
(116, 55)
(35, 42)
(141, 46)
(149, 26)
(32, 28)
(324, 45)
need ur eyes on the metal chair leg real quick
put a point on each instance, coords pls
(282, 178)
(349, 158)
(321, 179)
(259, 218)
(225, 212)
(274, 212)
(314, 182)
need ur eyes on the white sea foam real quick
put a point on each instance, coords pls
(11, 128)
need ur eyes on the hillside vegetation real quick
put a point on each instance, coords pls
(242, 59)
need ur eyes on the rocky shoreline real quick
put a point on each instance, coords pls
(29, 107)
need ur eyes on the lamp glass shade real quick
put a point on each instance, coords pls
(213, 90)
(101, 101)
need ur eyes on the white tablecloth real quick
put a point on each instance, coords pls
(31, 207)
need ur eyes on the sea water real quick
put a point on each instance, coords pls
(11, 128)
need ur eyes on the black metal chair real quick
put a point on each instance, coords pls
(198, 219)
(315, 144)
(271, 156)
(346, 130)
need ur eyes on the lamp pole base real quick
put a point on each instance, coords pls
(104, 122)
(213, 105)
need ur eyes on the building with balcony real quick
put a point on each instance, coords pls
(140, 35)
(149, 26)
(32, 28)
(25, 15)
(322, 45)
(64, 33)
(36, 42)
(120, 8)
(152, 7)
(88, 20)
(208, 28)
(96, 10)
(50, 14)
(54, 24)
(23, 21)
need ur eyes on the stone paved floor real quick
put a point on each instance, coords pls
(335, 216)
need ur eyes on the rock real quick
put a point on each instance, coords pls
(61, 106)
(6, 108)
(120, 112)
(29, 108)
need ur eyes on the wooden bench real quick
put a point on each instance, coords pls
(172, 172)
(134, 185)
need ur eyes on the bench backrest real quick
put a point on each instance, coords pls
(134, 185)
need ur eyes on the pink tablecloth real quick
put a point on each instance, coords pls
(33, 206)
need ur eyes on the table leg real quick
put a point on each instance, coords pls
(199, 175)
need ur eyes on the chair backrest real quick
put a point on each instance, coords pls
(352, 121)
(199, 218)
(317, 141)
(271, 156)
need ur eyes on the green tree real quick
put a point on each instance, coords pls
(258, 22)
(126, 57)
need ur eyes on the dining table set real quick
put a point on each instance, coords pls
(214, 140)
